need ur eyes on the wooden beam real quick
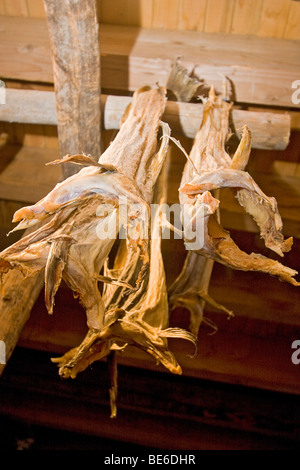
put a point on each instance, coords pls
(133, 57)
(73, 29)
(74, 38)
(269, 130)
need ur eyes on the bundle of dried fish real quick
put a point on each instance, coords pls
(209, 169)
(139, 316)
(68, 245)
(82, 218)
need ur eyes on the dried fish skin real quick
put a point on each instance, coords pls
(138, 318)
(83, 216)
(217, 170)
(208, 169)
(83, 256)
(55, 254)
(87, 182)
(268, 219)
(132, 151)
(262, 208)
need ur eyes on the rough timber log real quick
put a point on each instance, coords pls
(74, 38)
(77, 81)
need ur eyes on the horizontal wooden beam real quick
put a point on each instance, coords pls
(155, 411)
(261, 70)
(269, 130)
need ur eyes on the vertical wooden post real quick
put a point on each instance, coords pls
(74, 37)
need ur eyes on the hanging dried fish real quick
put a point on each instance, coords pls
(212, 170)
(69, 246)
(82, 215)
(137, 317)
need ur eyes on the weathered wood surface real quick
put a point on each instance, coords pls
(262, 69)
(15, 307)
(74, 38)
(269, 130)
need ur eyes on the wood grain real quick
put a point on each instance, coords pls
(269, 130)
(134, 57)
(273, 18)
(74, 37)
(278, 18)
(192, 15)
(218, 16)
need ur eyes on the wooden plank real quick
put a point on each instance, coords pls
(273, 18)
(269, 130)
(145, 13)
(292, 30)
(122, 12)
(74, 37)
(165, 14)
(36, 9)
(15, 8)
(192, 15)
(26, 178)
(126, 12)
(218, 16)
(29, 106)
(134, 57)
(246, 16)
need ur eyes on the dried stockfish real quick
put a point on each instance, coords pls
(138, 317)
(215, 169)
(82, 218)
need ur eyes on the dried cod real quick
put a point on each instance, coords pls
(209, 169)
(78, 222)
(82, 217)
(139, 316)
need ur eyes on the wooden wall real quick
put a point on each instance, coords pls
(272, 18)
